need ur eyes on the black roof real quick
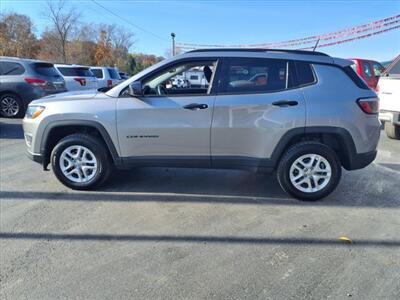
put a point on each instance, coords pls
(260, 50)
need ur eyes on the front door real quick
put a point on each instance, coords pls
(170, 124)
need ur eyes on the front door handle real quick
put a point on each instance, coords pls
(195, 106)
(285, 103)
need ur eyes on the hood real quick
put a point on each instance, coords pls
(68, 96)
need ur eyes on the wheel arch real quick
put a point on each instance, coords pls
(339, 139)
(57, 130)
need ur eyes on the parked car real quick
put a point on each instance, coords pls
(77, 77)
(389, 95)
(301, 123)
(24, 80)
(124, 76)
(106, 76)
(180, 83)
(369, 70)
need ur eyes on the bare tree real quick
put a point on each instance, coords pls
(63, 20)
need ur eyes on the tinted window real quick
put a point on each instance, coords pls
(45, 69)
(378, 68)
(75, 71)
(367, 70)
(254, 75)
(98, 73)
(305, 74)
(11, 68)
(113, 73)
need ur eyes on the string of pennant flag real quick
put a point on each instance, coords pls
(324, 40)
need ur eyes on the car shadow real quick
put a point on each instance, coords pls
(11, 131)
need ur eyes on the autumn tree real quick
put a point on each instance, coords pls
(17, 37)
(103, 55)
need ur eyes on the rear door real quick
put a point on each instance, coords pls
(255, 106)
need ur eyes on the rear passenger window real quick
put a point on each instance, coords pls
(98, 73)
(305, 74)
(256, 75)
(11, 68)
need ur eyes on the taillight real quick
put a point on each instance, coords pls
(369, 105)
(82, 81)
(109, 83)
(36, 81)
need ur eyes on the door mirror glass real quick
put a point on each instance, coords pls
(135, 88)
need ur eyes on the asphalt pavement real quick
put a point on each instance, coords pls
(157, 233)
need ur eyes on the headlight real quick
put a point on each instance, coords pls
(34, 111)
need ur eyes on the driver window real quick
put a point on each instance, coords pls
(189, 78)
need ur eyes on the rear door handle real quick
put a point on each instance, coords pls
(195, 106)
(285, 103)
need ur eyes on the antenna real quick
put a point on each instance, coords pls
(316, 44)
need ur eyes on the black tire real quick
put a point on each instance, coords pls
(304, 148)
(392, 131)
(6, 100)
(100, 152)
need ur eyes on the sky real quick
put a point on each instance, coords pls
(233, 22)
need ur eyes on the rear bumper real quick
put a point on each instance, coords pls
(361, 160)
(390, 116)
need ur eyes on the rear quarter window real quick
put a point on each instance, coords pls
(11, 68)
(113, 73)
(98, 73)
(305, 73)
(45, 69)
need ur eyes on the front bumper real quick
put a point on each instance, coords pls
(390, 116)
(35, 157)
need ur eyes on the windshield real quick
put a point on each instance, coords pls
(394, 68)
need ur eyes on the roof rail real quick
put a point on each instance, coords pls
(260, 50)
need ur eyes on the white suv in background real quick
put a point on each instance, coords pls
(389, 95)
(77, 77)
(106, 76)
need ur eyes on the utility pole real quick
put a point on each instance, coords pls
(173, 43)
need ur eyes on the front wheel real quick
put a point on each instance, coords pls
(80, 162)
(309, 171)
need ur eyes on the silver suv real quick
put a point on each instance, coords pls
(303, 114)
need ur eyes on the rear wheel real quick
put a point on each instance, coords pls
(392, 131)
(11, 106)
(80, 162)
(309, 171)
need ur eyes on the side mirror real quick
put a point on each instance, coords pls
(135, 88)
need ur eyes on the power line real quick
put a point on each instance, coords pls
(129, 22)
